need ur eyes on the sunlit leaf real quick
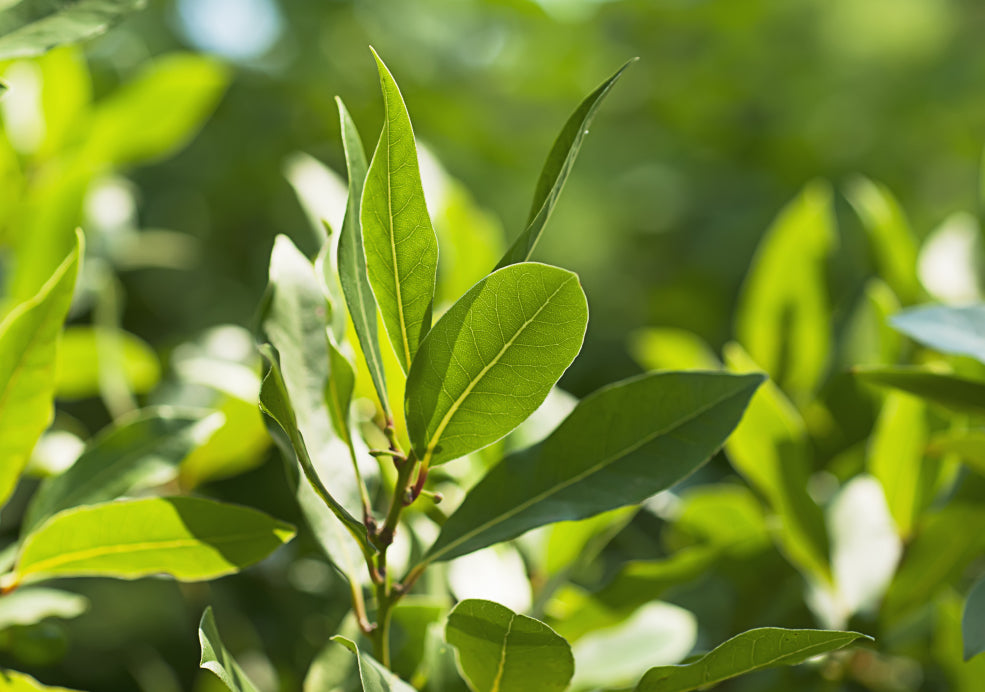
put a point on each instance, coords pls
(80, 366)
(216, 658)
(491, 360)
(868, 339)
(30, 605)
(31, 27)
(957, 330)
(373, 676)
(21, 682)
(957, 393)
(671, 349)
(967, 445)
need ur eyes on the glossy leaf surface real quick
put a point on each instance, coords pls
(216, 658)
(619, 446)
(31, 27)
(492, 359)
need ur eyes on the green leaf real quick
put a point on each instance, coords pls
(140, 451)
(31, 605)
(783, 318)
(671, 349)
(80, 369)
(771, 450)
(352, 259)
(31, 27)
(338, 391)
(21, 682)
(400, 244)
(956, 393)
(190, 539)
(373, 676)
(619, 446)
(28, 350)
(968, 445)
(868, 339)
(557, 167)
(957, 330)
(767, 647)
(502, 651)
(216, 658)
(127, 126)
(973, 621)
(492, 359)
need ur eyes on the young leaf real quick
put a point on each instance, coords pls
(352, 259)
(338, 391)
(373, 676)
(12, 681)
(556, 169)
(28, 349)
(216, 658)
(953, 392)
(502, 651)
(31, 605)
(973, 621)
(767, 647)
(190, 539)
(401, 247)
(957, 330)
(619, 446)
(491, 360)
(31, 27)
(138, 452)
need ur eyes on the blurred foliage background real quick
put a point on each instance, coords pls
(733, 107)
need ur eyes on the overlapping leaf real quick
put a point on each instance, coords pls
(216, 658)
(31, 27)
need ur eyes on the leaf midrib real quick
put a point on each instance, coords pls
(398, 293)
(502, 655)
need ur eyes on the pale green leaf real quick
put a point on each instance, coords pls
(28, 350)
(12, 681)
(671, 349)
(31, 605)
(967, 445)
(190, 539)
(353, 275)
(557, 167)
(491, 360)
(216, 658)
(338, 391)
(767, 647)
(373, 676)
(868, 339)
(140, 451)
(31, 27)
(80, 361)
(619, 446)
(502, 651)
(400, 244)
(956, 393)
(240, 443)
(957, 330)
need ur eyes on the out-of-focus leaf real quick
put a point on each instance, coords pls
(28, 350)
(401, 247)
(66, 94)
(957, 393)
(783, 317)
(893, 242)
(494, 572)
(771, 450)
(962, 675)
(21, 682)
(868, 338)
(658, 634)
(216, 658)
(571, 541)
(31, 605)
(767, 647)
(140, 451)
(158, 112)
(671, 349)
(79, 366)
(31, 27)
(502, 651)
(412, 618)
(338, 391)
(334, 669)
(438, 666)
(373, 676)
(957, 330)
(948, 264)
(353, 275)
(557, 167)
(896, 458)
(491, 360)
(238, 445)
(190, 539)
(968, 445)
(619, 446)
(973, 621)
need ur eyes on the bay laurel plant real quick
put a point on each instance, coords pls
(447, 384)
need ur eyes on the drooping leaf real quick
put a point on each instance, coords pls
(31, 27)
(770, 449)
(502, 651)
(400, 244)
(190, 539)
(81, 365)
(216, 658)
(137, 452)
(13, 681)
(353, 275)
(557, 167)
(783, 316)
(957, 393)
(957, 330)
(373, 676)
(491, 360)
(620, 445)
(31, 605)
(28, 349)
(767, 647)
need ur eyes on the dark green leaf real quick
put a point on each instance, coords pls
(338, 391)
(216, 658)
(956, 393)
(957, 330)
(973, 621)
(31, 27)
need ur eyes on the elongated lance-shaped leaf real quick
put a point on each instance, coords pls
(618, 447)
(190, 539)
(217, 659)
(957, 330)
(767, 647)
(502, 651)
(973, 621)
(31, 27)
(556, 169)
(338, 391)
(492, 359)
(401, 247)
(28, 350)
(373, 677)
(352, 259)
(139, 451)
(953, 392)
